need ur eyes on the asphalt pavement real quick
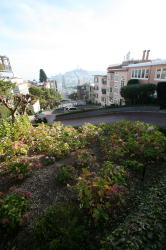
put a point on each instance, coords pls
(155, 118)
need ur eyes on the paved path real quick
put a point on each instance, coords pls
(149, 117)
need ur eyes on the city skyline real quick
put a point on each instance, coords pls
(60, 35)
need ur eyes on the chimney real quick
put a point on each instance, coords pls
(147, 55)
(143, 56)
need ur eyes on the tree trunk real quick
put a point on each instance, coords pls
(13, 116)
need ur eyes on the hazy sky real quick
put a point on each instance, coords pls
(60, 35)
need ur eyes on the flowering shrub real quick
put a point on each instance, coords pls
(116, 174)
(35, 164)
(61, 227)
(56, 140)
(13, 209)
(99, 195)
(89, 133)
(17, 130)
(48, 160)
(65, 174)
(84, 158)
(132, 140)
(20, 169)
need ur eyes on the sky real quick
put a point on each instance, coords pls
(61, 35)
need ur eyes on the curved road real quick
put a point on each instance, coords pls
(149, 117)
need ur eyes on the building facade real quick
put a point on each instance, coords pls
(107, 88)
(101, 90)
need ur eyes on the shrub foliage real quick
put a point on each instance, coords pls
(138, 93)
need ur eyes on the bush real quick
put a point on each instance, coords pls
(100, 196)
(162, 129)
(61, 227)
(161, 94)
(48, 160)
(136, 145)
(84, 158)
(117, 174)
(133, 81)
(55, 140)
(13, 209)
(20, 169)
(138, 93)
(126, 140)
(65, 174)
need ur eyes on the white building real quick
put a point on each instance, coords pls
(36, 106)
(21, 86)
(101, 90)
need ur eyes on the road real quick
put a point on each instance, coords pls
(149, 117)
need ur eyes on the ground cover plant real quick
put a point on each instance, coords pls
(13, 209)
(144, 228)
(92, 179)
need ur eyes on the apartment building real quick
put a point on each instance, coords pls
(21, 86)
(101, 90)
(5, 68)
(116, 79)
(145, 70)
(148, 72)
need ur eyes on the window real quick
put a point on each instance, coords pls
(112, 77)
(147, 73)
(96, 79)
(116, 78)
(96, 88)
(110, 89)
(158, 73)
(103, 91)
(140, 73)
(103, 99)
(163, 74)
(143, 73)
(136, 73)
(104, 81)
(122, 83)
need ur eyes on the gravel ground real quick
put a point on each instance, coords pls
(45, 192)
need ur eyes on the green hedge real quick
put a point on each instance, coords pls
(138, 93)
(161, 94)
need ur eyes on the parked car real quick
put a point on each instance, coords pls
(70, 108)
(40, 118)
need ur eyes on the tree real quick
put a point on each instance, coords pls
(25, 101)
(73, 96)
(42, 76)
(138, 93)
(14, 103)
(49, 98)
(4, 112)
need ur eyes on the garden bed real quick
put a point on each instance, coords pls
(75, 186)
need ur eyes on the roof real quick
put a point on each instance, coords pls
(151, 63)
(101, 75)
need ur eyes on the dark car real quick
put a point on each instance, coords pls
(40, 118)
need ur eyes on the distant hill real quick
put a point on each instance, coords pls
(75, 77)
